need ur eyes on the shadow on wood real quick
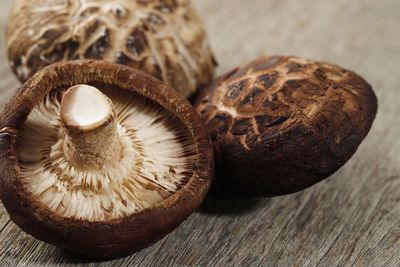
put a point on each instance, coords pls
(213, 205)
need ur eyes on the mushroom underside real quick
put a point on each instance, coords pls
(156, 160)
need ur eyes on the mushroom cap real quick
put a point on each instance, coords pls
(163, 38)
(118, 234)
(280, 124)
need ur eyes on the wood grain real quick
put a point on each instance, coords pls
(351, 219)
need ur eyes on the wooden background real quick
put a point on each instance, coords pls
(351, 219)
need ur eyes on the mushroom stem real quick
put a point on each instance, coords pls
(88, 118)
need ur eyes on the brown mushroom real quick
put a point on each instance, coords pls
(280, 124)
(101, 159)
(163, 38)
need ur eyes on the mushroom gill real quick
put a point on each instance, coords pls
(154, 159)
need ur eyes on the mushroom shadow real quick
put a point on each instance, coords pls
(76, 259)
(234, 206)
(73, 258)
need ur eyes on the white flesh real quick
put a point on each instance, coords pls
(85, 107)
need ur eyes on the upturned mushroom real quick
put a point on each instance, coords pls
(281, 124)
(101, 159)
(163, 38)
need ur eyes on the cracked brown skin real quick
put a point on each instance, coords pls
(281, 124)
(116, 237)
(163, 38)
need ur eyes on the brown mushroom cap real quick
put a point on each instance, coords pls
(158, 177)
(163, 38)
(280, 124)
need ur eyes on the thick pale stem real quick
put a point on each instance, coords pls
(88, 118)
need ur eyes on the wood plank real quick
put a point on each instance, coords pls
(351, 219)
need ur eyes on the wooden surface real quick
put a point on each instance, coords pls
(351, 219)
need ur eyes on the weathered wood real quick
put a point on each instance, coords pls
(351, 219)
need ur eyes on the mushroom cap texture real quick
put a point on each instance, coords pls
(163, 38)
(115, 237)
(280, 124)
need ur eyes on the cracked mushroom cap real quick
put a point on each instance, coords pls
(101, 159)
(280, 124)
(163, 38)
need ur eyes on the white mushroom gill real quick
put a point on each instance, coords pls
(155, 160)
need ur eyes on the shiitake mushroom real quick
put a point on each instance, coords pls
(163, 38)
(280, 124)
(101, 159)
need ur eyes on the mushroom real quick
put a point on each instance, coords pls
(281, 124)
(101, 159)
(163, 38)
